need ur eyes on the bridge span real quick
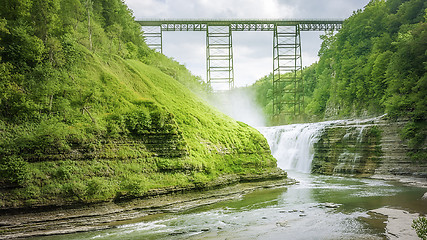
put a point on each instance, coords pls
(288, 85)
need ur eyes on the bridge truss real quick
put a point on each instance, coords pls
(288, 85)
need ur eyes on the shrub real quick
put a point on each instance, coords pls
(48, 137)
(420, 226)
(66, 170)
(133, 186)
(14, 170)
(75, 188)
(415, 134)
(99, 189)
(138, 122)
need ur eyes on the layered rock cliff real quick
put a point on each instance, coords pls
(365, 148)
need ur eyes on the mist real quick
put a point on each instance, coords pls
(239, 104)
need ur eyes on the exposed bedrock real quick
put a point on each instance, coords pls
(372, 147)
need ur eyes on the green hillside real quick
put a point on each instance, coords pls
(89, 113)
(375, 64)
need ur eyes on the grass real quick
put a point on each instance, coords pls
(95, 148)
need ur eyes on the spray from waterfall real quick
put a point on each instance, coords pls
(239, 104)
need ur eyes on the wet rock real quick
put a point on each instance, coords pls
(3, 224)
(283, 211)
(302, 215)
(330, 205)
(424, 197)
(176, 233)
(264, 217)
(205, 229)
(283, 223)
(292, 211)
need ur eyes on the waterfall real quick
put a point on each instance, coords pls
(292, 145)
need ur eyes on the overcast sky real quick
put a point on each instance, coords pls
(252, 50)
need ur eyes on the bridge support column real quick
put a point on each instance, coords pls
(288, 96)
(153, 37)
(219, 58)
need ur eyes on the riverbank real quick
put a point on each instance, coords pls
(406, 180)
(398, 223)
(21, 223)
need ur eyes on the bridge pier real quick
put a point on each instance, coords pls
(288, 84)
(219, 57)
(154, 37)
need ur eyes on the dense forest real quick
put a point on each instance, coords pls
(89, 113)
(375, 64)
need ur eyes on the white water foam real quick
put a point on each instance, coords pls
(292, 145)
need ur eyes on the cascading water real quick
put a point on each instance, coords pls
(292, 145)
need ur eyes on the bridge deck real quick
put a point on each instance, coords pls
(242, 24)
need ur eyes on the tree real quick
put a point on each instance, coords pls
(88, 6)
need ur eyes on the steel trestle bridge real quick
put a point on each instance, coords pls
(288, 86)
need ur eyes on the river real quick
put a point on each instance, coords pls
(317, 207)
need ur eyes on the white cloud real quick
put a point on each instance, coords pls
(252, 56)
(210, 9)
(188, 48)
(147, 8)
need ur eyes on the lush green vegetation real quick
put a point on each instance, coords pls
(420, 226)
(375, 64)
(89, 113)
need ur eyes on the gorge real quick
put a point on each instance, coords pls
(102, 137)
(317, 206)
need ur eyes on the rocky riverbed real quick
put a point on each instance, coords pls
(43, 222)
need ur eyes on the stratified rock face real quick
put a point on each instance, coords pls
(348, 149)
(395, 159)
(364, 148)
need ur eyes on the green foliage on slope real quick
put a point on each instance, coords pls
(375, 64)
(420, 226)
(89, 113)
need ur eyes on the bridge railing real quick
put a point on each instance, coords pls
(242, 24)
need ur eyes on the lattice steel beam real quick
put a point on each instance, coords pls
(153, 37)
(219, 57)
(241, 24)
(287, 65)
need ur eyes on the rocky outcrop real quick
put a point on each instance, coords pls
(365, 148)
(395, 159)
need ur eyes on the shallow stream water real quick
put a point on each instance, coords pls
(317, 207)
